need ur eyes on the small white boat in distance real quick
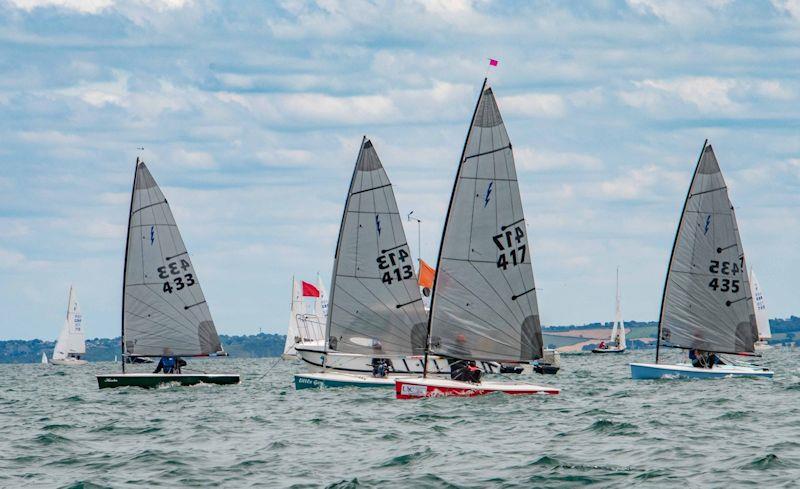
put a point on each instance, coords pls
(44, 358)
(706, 307)
(71, 343)
(618, 331)
(762, 320)
(484, 305)
(306, 328)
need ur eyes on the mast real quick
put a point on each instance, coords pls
(674, 244)
(326, 338)
(444, 230)
(125, 268)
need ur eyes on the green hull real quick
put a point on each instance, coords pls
(150, 381)
(310, 382)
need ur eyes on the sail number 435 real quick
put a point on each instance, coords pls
(512, 246)
(177, 282)
(724, 268)
(392, 264)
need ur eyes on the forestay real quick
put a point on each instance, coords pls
(164, 309)
(375, 306)
(707, 303)
(484, 301)
(71, 339)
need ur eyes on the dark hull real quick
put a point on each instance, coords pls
(607, 350)
(150, 381)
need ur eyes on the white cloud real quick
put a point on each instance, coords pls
(533, 105)
(791, 7)
(81, 6)
(530, 159)
(680, 12)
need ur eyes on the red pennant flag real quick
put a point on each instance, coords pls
(492, 62)
(309, 290)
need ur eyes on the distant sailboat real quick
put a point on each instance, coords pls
(305, 329)
(44, 358)
(618, 331)
(71, 343)
(164, 311)
(483, 305)
(762, 320)
(706, 305)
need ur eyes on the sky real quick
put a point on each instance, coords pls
(251, 114)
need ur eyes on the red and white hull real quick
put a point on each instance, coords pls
(415, 388)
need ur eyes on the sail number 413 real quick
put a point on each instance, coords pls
(393, 266)
(511, 244)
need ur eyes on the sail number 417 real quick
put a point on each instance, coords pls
(512, 247)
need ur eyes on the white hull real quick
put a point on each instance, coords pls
(68, 362)
(687, 371)
(362, 364)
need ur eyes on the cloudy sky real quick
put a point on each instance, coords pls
(251, 115)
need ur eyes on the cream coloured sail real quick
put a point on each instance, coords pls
(618, 331)
(293, 331)
(321, 303)
(760, 306)
(71, 340)
(164, 309)
(375, 307)
(484, 303)
(707, 304)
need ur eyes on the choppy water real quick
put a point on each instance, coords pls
(58, 429)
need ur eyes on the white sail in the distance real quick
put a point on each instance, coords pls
(71, 340)
(164, 309)
(293, 331)
(707, 303)
(760, 305)
(484, 304)
(618, 331)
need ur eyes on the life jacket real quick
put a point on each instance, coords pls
(168, 364)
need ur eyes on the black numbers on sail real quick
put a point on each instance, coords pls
(725, 267)
(512, 246)
(392, 264)
(179, 283)
(174, 268)
(724, 285)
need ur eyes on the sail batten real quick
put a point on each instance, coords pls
(707, 303)
(375, 306)
(484, 304)
(164, 308)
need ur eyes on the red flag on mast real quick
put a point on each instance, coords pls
(309, 290)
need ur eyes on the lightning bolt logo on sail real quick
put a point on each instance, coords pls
(152, 235)
(378, 223)
(488, 193)
(708, 224)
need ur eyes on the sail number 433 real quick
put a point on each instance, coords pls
(176, 278)
(512, 246)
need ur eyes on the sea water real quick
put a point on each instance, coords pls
(57, 429)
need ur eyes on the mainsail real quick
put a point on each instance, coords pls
(375, 306)
(707, 303)
(164, 309)
(321, 303)
(293, 331)
(618, 331)
(484, 300)
(71, 340)
(760, 305)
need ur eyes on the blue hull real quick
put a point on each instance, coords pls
(301, 382)
(653, 371)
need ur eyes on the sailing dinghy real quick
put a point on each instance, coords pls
(376, 315)
(164, 311)
(762, 320)
(706, 306)
(44, 358)
(618, 331)
(71, 343)
(305, 328)
(483, 306)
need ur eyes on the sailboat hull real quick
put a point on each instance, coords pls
(608, 350)
(68, 361)
(340, 380)
(430, 387)
(149, 381)
(641, 371)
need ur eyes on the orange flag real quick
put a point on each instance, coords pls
(426, 273)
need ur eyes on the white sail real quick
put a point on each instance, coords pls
(762, 320)
(321, 304)
(293, 332)
(618, 331)
(164, 309)
(484, 303)
(44, 357)
(71, 340)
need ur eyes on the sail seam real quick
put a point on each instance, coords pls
(370, 189)
(508, 146)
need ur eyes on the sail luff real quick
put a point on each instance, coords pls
(125, 266)
(674, 244)
(444, 229)
(339, 244)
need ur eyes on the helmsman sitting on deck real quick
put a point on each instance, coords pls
(464, 370)
(169, 364)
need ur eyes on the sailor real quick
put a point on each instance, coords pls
(462, 369)
(697, 358)
(602, 345)
(169, 364)
(379, 367)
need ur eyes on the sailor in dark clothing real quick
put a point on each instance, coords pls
(170, 365)
(463, 370)
(380, 367)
